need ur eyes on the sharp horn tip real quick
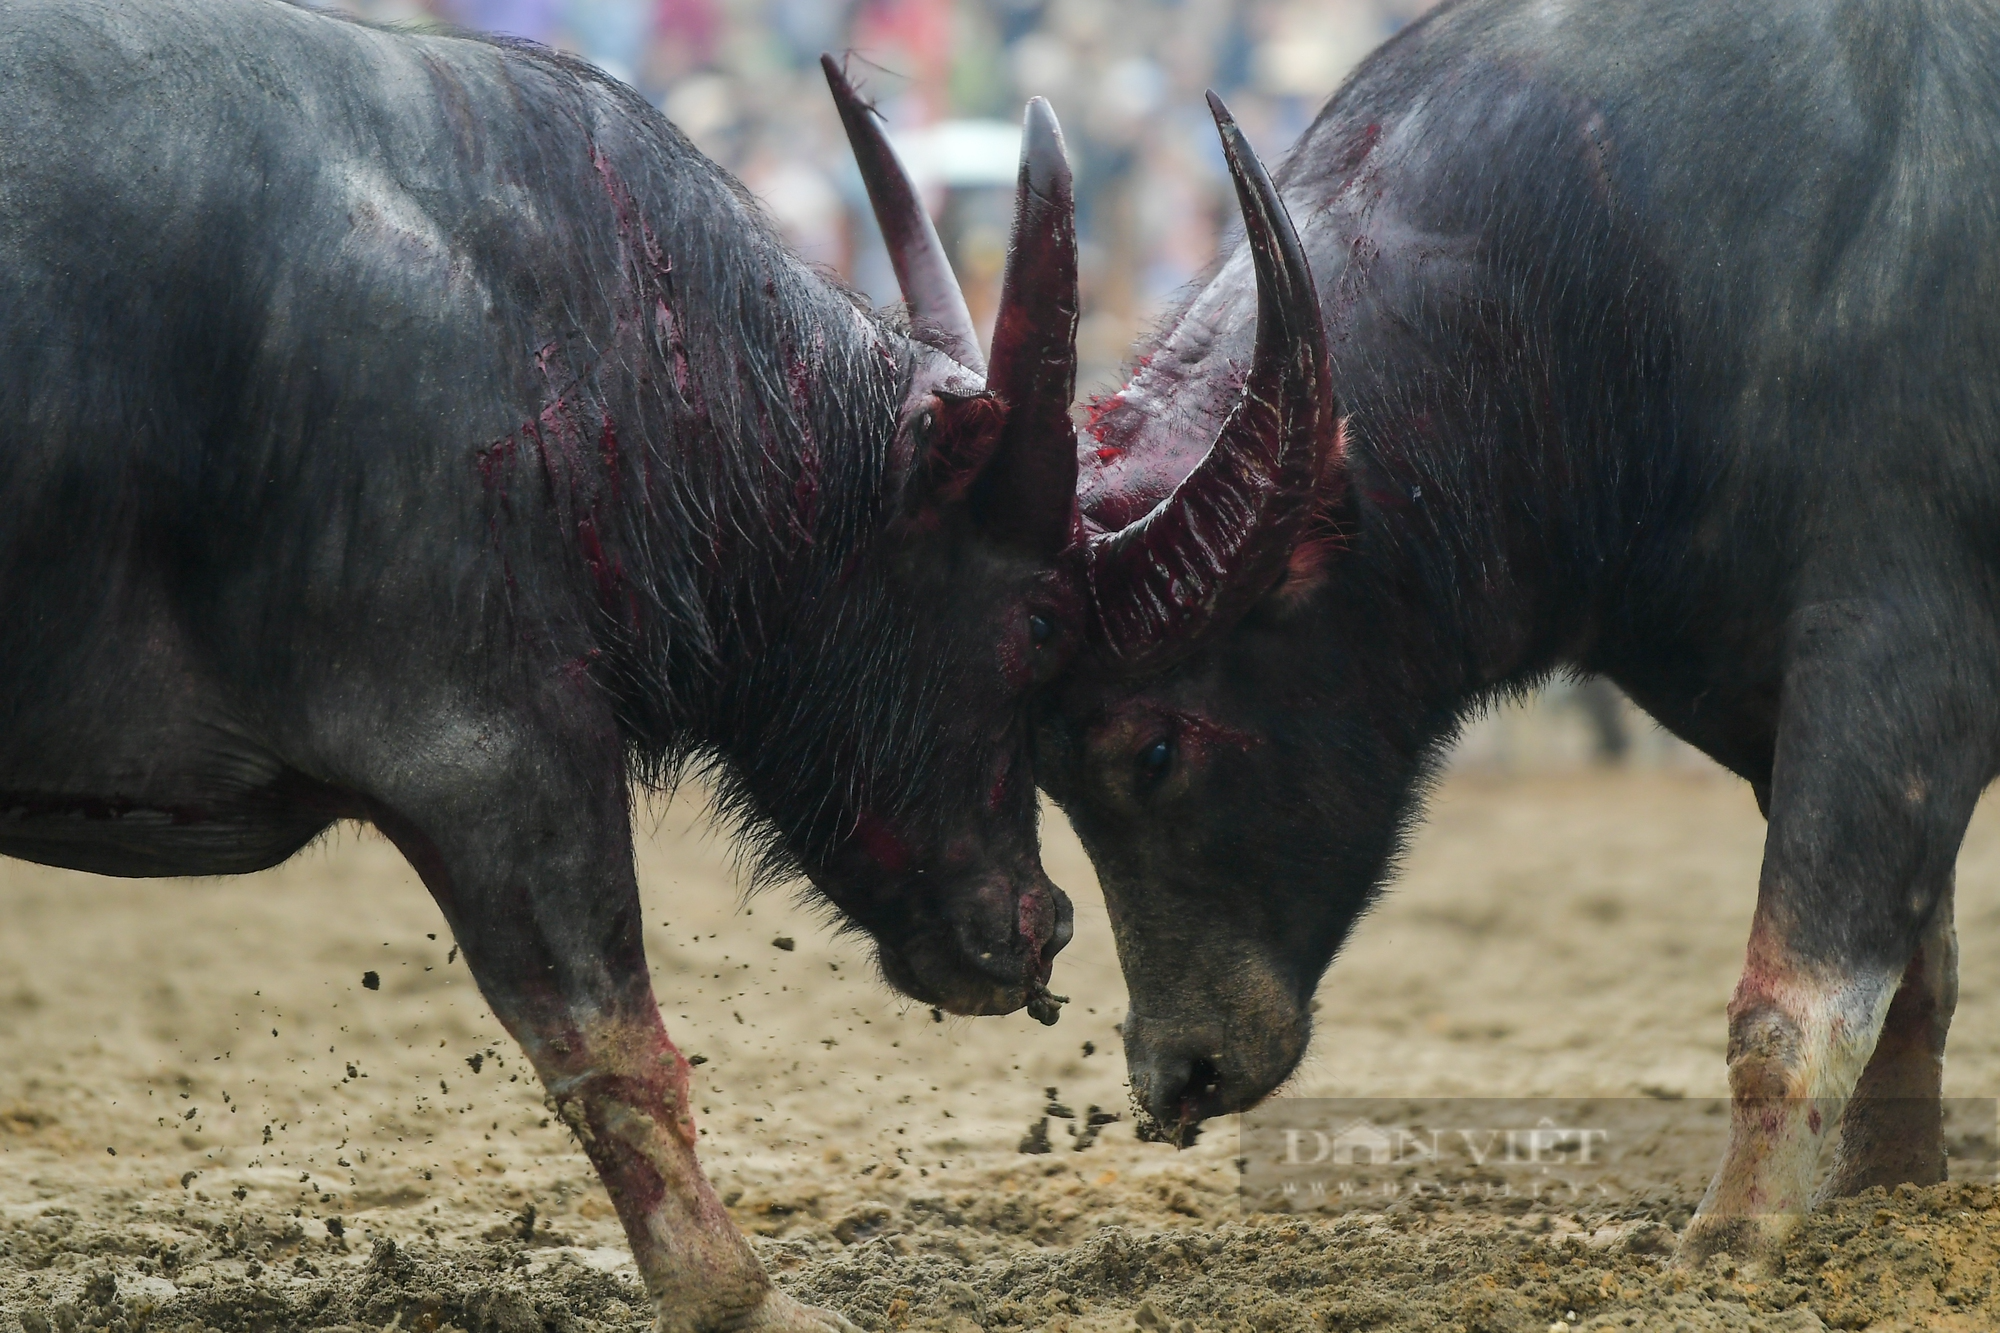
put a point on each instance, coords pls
(1235, 146)
(1044, 155)
(845, 95)
(1041, 119)
(1244, 164)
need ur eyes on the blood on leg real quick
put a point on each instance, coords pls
(621, 1086)
(1800, 1035)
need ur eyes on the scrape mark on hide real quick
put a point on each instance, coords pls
(557, 422)
(645, 273)
(670, 335)
(1104, 414)
(1356, 152)
(1597, 154)
(605, 570)
(607, 450)
(802, 372)
(644, 267)
(493, 462)
(623, 1082)
(578, 668)
(1094, 412)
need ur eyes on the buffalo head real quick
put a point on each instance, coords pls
(962, 605)
(1196, 747)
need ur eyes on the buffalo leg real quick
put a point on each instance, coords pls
(1893, 1128)
(530, 858)
(1880, 756)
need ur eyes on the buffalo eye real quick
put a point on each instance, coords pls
(1154, 760)
(1040, 628)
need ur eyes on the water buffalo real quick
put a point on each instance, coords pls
(1655, 342)
(417, 429)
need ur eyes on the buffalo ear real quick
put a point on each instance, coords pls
(952, 440)
(1316, 554)
(1314, 560)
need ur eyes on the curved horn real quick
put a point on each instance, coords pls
(1032, 487)
(1215, 545)
(922, 271)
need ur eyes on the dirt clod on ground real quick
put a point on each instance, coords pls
(1914, 1258)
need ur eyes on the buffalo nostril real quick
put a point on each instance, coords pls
(1203, 1080)
(1176, 1091)
(983, 942)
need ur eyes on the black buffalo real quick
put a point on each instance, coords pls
(417, 429)
(1665, 346)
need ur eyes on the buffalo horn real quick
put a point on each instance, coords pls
(1221, 539)
(1031, 490)
(922, 271)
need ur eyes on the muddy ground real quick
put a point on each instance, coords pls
(209, 1120)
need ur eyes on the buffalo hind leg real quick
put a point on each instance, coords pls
(1893, 1129)
(530, 858)
(1881, 753)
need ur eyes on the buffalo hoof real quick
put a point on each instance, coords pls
(782, 1314)
(1753, 1243)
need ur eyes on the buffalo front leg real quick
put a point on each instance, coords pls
(531, 862)
(1880, 757)
(1800, 1033)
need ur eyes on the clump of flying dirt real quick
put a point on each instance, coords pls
(1095, 1120)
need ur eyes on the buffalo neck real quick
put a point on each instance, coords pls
(708, 418)
(1510, 429)
(1408, 549)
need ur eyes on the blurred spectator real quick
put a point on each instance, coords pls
(540, 20)
(1126, 77)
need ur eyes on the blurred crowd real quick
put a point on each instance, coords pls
(1126, 78)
